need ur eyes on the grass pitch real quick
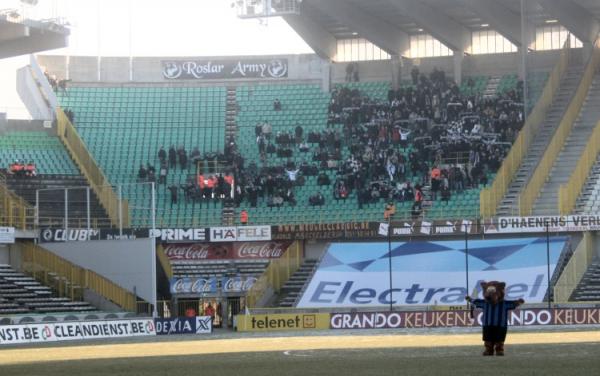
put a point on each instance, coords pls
(528, 353)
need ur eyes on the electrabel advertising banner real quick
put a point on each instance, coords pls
(199, 286)
(225, 69)
(225, 251)
(429, 272)
(184, 325)
(558, 223)
(462, 318)
(67, 331)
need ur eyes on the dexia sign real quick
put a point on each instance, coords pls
(429, 273)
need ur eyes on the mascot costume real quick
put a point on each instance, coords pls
(495, 315)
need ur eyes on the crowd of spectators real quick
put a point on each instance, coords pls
(426, 137)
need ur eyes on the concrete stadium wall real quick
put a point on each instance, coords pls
(127, 263)
(301, 67)
(149, 69)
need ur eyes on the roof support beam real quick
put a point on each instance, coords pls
(443, 28)
(574, 17)
(386, 36)
(500, 18)
(320, 40)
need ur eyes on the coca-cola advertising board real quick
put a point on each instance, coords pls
(201, 286)
(226, 251)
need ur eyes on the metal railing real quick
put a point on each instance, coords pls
(14, 210)
(98, 181)
(531, 192)
(575, 269)
(490, 198)
(70, 280)
(568, 193)
(276, 274)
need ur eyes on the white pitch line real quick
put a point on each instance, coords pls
(289, 353)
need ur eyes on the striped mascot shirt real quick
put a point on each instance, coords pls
(495, 314)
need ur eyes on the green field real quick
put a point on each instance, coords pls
(358, 355)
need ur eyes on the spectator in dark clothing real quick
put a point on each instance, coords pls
(182, 158)
(323, 179)
(173, 189)
(142, 173)
(172, 157)
(316, 199)
(298, 133)
(277, 105)
(162, 155)
(162, 174)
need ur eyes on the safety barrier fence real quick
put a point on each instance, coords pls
(575, 269)
(14, 210)
(70, 280)
(276, 274)
(490, 197)
(568, 193)
(530, 194)
(98, 181)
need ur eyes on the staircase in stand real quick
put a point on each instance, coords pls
(589, 286)
(231, 110)
(570, 154)
(492, 87)
(290, 292)
(510, 202)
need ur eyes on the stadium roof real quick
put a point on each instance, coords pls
(389, 23)
(20, 36)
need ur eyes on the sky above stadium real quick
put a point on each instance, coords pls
(150, 28)
(165, 28)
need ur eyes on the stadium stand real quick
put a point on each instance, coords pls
(570, 153)
(54, 171)
(509, 204)
(125, 127)
(279, 153)
(21, 294)
(41, 148)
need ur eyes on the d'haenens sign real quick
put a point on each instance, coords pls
(224, 69)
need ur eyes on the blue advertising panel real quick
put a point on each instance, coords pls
(429, 272)
(183, 325)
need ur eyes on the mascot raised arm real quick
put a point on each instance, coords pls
(495, 315)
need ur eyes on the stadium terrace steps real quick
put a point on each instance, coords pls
(290, 292)
(510, 203)
(124, 127)
(52, 202)
(21, 294)
(231, 111)
(588, 288)
(589, 199)
(565, 163)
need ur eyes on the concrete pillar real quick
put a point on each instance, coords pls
(458, 59)
(325, 75)
(396, 71)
